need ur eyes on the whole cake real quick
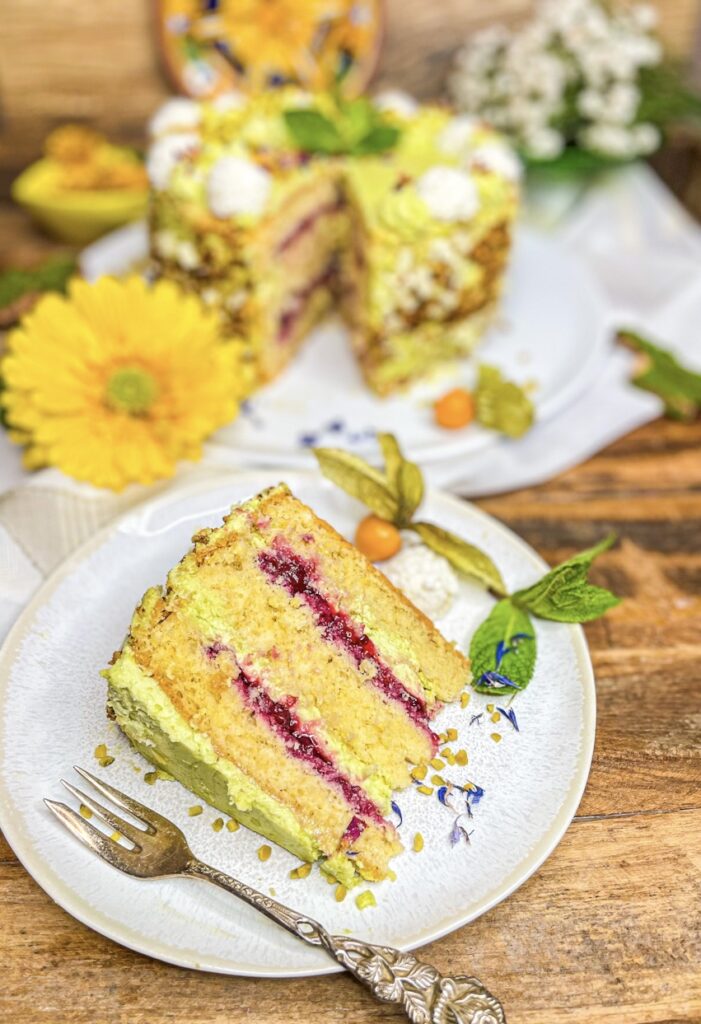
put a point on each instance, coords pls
(405, 231)
(283, 679)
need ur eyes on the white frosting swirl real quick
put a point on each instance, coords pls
(456, 138)
(165, 153)
(396, 101)
(237, 185)
(228, 101)
(497, 158)
(176, 115)
(424, 577)
(450, 194)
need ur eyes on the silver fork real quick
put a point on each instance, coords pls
(160, 850)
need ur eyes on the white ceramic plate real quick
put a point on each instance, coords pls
(52, 716)
(552, 333)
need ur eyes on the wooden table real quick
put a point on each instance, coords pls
(609, 929)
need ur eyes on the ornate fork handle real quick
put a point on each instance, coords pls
(426, 996)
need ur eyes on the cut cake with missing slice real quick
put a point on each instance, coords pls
(282, 678)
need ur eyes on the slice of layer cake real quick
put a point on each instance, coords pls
(410, 245)
(283, 679)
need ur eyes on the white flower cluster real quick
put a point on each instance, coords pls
(570, 75)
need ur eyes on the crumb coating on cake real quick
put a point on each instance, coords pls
(285, 680)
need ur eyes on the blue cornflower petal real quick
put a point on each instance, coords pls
(496, 681)
(511, 715)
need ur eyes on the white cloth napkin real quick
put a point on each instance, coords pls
(646, 252)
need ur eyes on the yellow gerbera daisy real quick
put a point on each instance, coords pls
(117, 381)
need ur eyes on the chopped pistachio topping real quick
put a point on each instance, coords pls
(365, 899)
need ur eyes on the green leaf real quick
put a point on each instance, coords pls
(665, 96)
(573, 162)
(355, 120)
(502, 405)
(503, 650)
(658, 371)
(379, 139)
(404, 478)
(52, 277)
(564, 595)
(354, 476)
(464, 557)
(313, 132)
(357, 127)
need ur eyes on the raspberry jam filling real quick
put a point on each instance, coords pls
(299, 740)
(297, 302)
(307, 223)
(299, 577)
(355, 829)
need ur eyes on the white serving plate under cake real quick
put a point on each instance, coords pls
(52, 715)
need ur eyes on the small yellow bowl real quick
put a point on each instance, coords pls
(75, 216)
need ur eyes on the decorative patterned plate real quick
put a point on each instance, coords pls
(553, 332)
(209, 46)
(52, 716)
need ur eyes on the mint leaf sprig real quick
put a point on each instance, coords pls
(660, 372)
(357, 128)
(503, 649)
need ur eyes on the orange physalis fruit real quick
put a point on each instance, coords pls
(455, 409)
(377, 539)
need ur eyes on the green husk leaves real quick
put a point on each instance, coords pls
(464, 557)
(502, 405)
(357, 128)
(360, 480)
(404, 478)
(565, 595)
(396, 494)
(658, 371)
(503, 650)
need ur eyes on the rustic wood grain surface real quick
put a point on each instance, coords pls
(609, 929)
(65, 60)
